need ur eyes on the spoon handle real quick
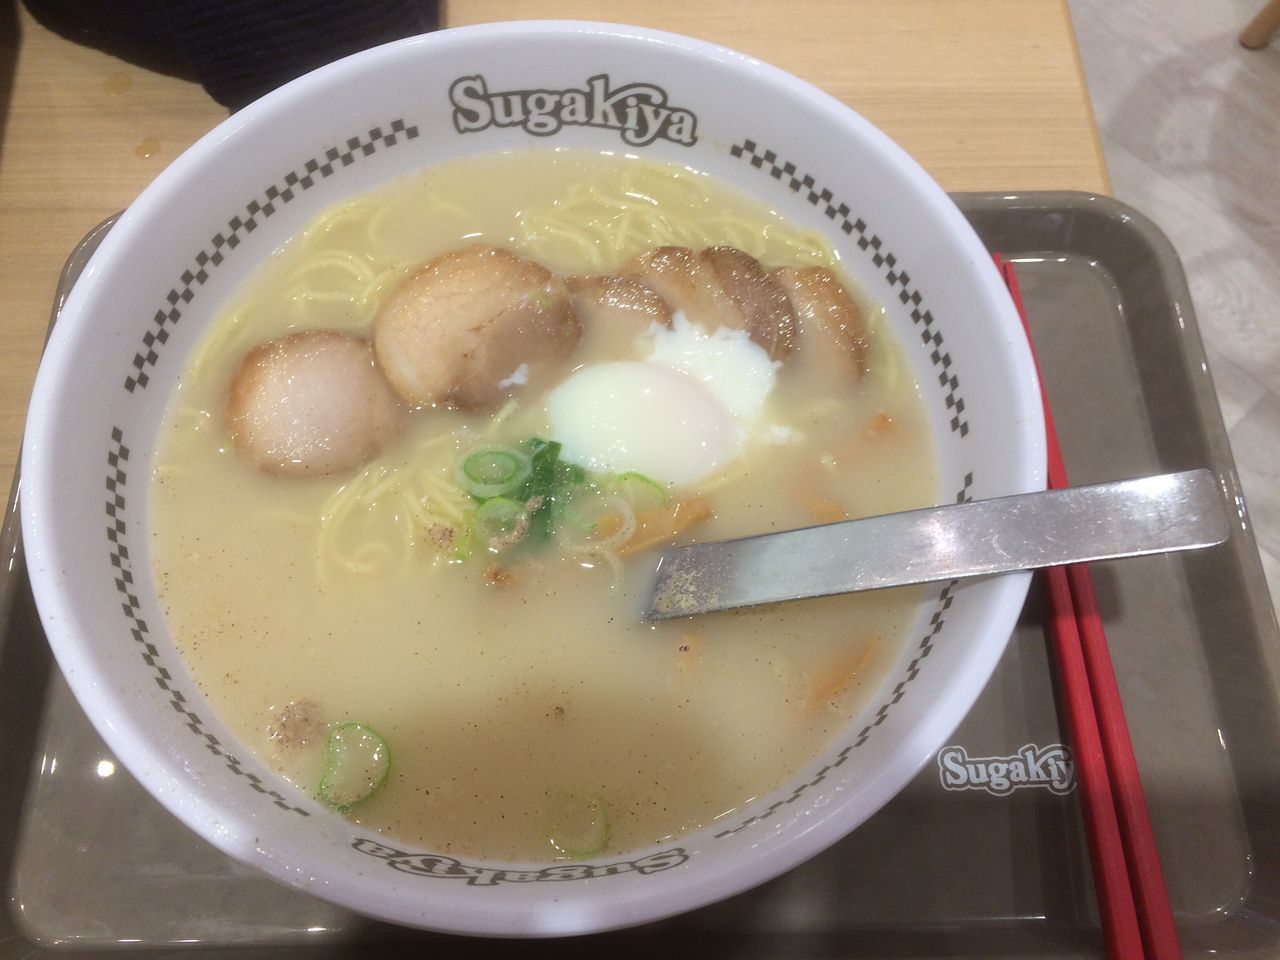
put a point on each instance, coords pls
(1160, 514)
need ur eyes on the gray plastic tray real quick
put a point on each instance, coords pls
(951, 867)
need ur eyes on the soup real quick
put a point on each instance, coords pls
(476, 681)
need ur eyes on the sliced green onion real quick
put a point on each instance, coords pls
(525, 492)
(356, 762)
(500, 522)
(494, 471)
(579, 826)
(542, 473)
(643, 493)
(551, 487)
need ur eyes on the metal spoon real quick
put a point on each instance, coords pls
(1161, 514)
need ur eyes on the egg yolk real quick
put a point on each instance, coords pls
(615, 417)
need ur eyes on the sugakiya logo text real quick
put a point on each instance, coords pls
(436, 865)
(638, 111)
(1047, 767)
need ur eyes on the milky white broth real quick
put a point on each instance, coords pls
(507, 707)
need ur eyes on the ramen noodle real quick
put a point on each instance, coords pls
(475, 679)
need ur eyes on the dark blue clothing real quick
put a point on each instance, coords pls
(238, 49)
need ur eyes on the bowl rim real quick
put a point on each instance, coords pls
(237, 835)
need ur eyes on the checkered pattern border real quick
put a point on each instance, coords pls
(224, 241)
(896, 275)
(122, 564)
(923, 649)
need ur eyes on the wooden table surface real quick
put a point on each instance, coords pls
(986, 94)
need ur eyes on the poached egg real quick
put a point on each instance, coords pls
(678, 416)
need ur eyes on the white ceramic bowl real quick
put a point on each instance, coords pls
(208, 222)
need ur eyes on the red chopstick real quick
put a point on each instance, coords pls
(1133, 902)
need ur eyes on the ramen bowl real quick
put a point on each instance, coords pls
(220, 210)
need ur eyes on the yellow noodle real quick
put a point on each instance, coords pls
(337, 507)
(442, 207)
(351, 210)
(369, 558)
(447, 498)
(608, 557)
(660, 229)
(391, 480)
(629, 223)
(381, 283)
(374, 230)
(225, 335)
(439, 208)
(342, 261)
(322, 296)
(374, 482)
(622, 227)
(416, 510)
(507, 410)
(408, 520)
(427, 498)
(549, 231)
(627, 529)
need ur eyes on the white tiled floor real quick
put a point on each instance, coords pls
(1190, 124)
